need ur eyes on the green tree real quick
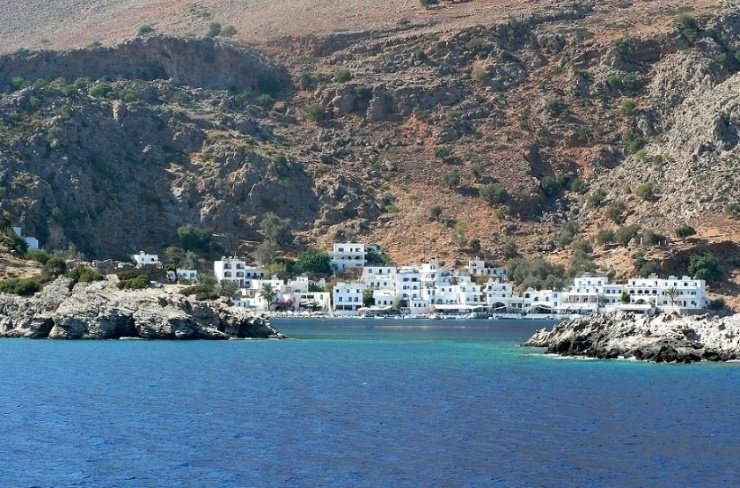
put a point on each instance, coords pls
(435, 213)
(596, 198)
(268, 294)
(194, 238)
(313, 261)
(276, 229)
(55, 267)
(376, 258)
(672, 294)
(646, 191)
(214, 30)
(228, 288)
(625, 297)
(705, 267)
(267, 251)
(452, 178)
(615, 211)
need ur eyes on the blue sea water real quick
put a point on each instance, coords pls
(360, 403)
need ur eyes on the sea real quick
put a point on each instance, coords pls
(360, 403)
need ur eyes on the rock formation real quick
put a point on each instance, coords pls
(664, 338)
(63, 310)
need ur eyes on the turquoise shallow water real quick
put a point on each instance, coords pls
(360, 403)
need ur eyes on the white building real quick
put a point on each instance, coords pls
(32, 242)
(680, 293)
(347, 297)
(347, 255)
(408, 284)
(144, 259)
(379, 277)
(477, 267)
(234, 269)
(184, 275)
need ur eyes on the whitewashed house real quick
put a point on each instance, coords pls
(234, 269)
(379, 277)
(680, 293)
(347, 297)
(347, 255)
(144, 259)
(408, 284)
(183, 275)
(477, 267)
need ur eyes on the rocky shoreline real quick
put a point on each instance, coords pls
(663, 338)
(99, 310)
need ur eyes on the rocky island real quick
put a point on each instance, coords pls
(662, 338)
(99, 310)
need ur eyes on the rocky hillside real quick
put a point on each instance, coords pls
(429, 134)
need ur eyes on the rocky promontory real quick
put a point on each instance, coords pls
(99, 310)
(662, 338)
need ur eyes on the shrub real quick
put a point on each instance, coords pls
(605, 236)
(634, 141)
(280, 163)
(477, 169)
(653, 238)
(214, 30)
(265, 101)
(435, 213)
(733, 209)
(138, 282)
(54, 267)
(229, 31)
(596, 198)
(443, 152)
(145, 29)
(38, 255)
(628, 107)
(510, 249)
(684, 230)
(556, 107)
(705, 267)
(643, 266)
(624, 297)
(342, 75)
(18, 83)
(646, 191)
(307, 81)
(419, 54)
(480, 74)
(20, 286)
(276, 229)
(615, 211)
(688, 26)
(717, 304)
(100, 90)
(550, 186)
(84, 274)
(129, 95)
(452, 178)
(315, 112)
(494, 193)
(568, 232)
(626, 233)
(269, 83)
(578, 186)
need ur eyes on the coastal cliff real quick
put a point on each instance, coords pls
(664, 338)
(99, 310)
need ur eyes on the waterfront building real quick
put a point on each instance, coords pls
(477, 267)
(347, 297)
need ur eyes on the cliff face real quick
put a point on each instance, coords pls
(101, 311)
(427, 115)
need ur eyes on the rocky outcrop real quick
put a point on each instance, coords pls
(664, 338)
(198, 63)
(63, 310)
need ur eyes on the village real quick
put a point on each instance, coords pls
(430, 290)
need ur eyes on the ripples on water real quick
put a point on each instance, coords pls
(360, 403)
